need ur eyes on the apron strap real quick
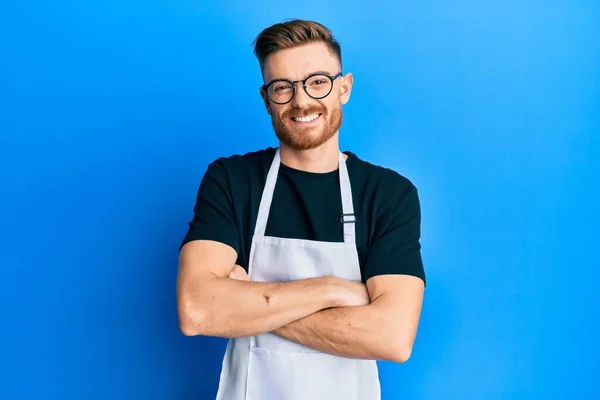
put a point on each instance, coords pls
(267, 196)
(347, 219)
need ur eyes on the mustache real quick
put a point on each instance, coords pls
(297, 112)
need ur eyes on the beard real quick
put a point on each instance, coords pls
(299, 138)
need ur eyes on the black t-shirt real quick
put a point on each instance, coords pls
(308, 206)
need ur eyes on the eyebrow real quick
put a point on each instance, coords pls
(305, 76)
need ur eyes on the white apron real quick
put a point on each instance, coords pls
(268, 367)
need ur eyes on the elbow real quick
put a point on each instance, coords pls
(199, 320)
(401, 353)
(400, 349)
(189, 328)
(192, 321)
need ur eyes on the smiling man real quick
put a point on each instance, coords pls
(307, 258)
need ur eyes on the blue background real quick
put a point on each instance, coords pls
(110, 112)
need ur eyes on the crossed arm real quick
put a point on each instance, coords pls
(327, 314)
(384, 329)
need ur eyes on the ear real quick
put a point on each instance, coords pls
(346, 87)
(265, 100)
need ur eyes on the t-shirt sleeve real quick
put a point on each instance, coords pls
(213, 217)
(396, 247)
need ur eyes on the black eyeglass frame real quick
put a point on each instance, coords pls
(332, 78)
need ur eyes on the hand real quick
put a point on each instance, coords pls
(351, 293)
(238, 273)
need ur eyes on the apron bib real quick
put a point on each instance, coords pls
(268, 367)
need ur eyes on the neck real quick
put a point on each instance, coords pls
(324, 158)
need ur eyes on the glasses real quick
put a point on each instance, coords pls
(317, 86)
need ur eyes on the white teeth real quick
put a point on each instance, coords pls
(307, 118)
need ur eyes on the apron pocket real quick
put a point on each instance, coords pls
(300, 376)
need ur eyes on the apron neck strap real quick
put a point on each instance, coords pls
(347, 219)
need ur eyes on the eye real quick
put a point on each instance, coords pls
(280, 87)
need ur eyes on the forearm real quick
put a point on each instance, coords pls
(231, 308)
(353, 332)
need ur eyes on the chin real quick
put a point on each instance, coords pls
(301, 138)
(305, 141)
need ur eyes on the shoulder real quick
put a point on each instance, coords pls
(252, 160)
(248, 166)
(379, 181)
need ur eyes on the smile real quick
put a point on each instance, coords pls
(308, 118)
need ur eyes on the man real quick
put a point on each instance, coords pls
(306, 258)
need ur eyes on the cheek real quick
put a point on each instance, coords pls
(331, 106)
(278, 112)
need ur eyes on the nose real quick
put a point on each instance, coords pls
(301, 98)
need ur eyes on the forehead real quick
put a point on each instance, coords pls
(298, 62)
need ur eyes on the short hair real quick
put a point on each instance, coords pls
(293, 33)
